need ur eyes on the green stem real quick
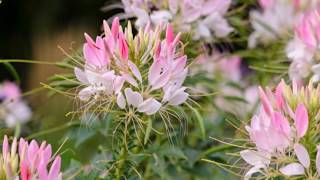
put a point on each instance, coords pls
(17, 130)
(217, 149)
(123, 157)
(56, 129)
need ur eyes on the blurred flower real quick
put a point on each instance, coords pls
(227, 73)
(13, 109)
(303, 50)
(276, 19)
(149, 70)
(281, 136)
(28, 161)
(203, 18)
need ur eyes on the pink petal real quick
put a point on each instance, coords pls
(135, 70)
(254, 157)
(302, 154)
(282, 124)
(123, 47)
(5, 147)
(115, 27)
(130, 79)
(121, 101)
(86, 93)
(301, 120)
(265, 101)
(118, 84)
(133, 98)
(55, 168)
(169, 34)
(80, 75)
(149, 106)
(292, 169)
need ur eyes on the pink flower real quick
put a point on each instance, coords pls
(31, 161)
(125, 56)
(9, 91)
(13, 110)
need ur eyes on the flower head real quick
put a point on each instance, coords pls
(142, 73)
(282, 132)
(28, 161)
(13, 109)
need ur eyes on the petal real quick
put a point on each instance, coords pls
(135, 70)
(130, 79)
(179, 99)
(55, 168)
(302, 154)
(318, 159)
(253, 170)
(118, 84)
(292, 169)
(80, 75)
(169, 34)
(301, 120)
(265, 101)
(149, 106)
(254, 157)
(133, 98)
(5, 147)
(121, 101)
(86, 93)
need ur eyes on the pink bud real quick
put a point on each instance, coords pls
(301, 120)
(169, 34)
(123, 47)
(5, 147)
(115, 27)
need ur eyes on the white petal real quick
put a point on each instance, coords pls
(86, 93)
(149, 106)
(133, 98)
(292, 169)
(130, 80)
(254, 157)
(135, 70)
(118, 84)
(80, 75)
(121, 101)
(253, 170)
(302, 155)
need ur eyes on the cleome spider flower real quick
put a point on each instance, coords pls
(285, 134)
(13, 110)
(276, 19)
(141, 73)
(28, 161)
(304, 49)
(203, 18)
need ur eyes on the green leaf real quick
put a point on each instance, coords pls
(199, 119)
(13, 72)
(146, 137)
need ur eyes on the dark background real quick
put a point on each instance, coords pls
(23, 22)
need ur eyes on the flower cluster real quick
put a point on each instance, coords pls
(141, 73)
(276, 19)
(203, 18)
(13, 109)
(303, 50)
(285, 133)
(28, 161)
